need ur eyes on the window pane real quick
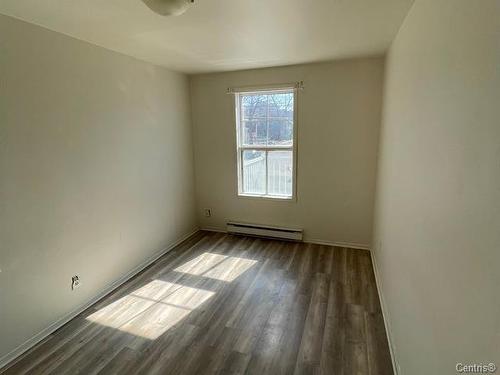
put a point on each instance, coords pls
(266, 128)
(280, 132)
(254, 132)
(253, 106)
(280, 173)
(281, 105)
(254, 172)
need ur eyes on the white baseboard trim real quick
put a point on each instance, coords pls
(8, 359)
(351, 245)
(383, 307)
(214, 229)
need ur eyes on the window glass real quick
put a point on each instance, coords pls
(265, 125)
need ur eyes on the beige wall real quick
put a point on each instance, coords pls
(96, 172)
(338, 125)
(437, 236)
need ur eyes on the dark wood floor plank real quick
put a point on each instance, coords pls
(379, 359)
(310, 347)
(225, 304)
(355, 360)
(333, 338)
(355, 323)
(285, 359)
(122, 361)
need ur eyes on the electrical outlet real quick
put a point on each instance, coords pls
(208, 212)
(75, 282)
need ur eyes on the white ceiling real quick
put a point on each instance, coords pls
(219, 35)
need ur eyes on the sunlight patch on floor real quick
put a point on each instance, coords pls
(157, 306)
(151, 310)
(216, 266)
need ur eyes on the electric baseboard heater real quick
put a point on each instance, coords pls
(264, 231)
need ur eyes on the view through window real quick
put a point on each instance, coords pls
(265, 138)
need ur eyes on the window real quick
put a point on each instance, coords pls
(266, 143)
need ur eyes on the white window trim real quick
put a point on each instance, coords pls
(240, 149)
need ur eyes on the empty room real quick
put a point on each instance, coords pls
(250, 187)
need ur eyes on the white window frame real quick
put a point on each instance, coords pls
(240, 147)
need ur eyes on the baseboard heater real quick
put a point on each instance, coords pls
(264, 231)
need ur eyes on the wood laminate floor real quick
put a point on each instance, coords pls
(223, 304)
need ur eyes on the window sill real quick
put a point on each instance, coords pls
(267, 197)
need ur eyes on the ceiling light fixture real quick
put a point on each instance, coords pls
(168, 7)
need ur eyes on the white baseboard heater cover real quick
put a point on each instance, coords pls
(264, 231)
